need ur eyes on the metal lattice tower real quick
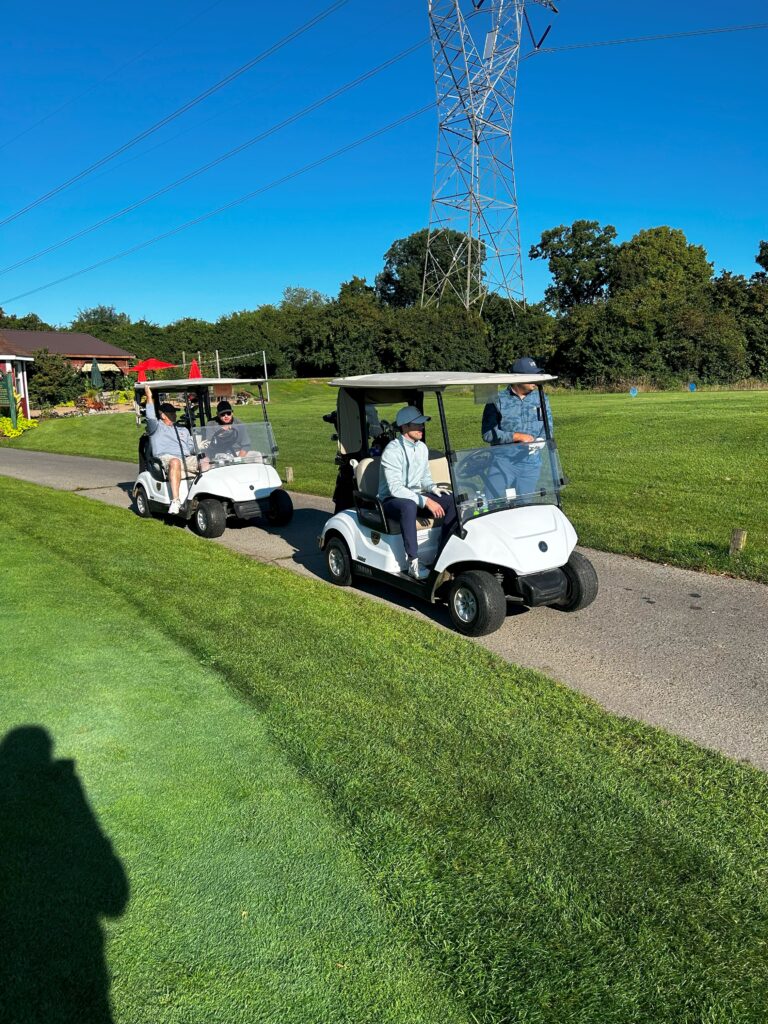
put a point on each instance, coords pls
(474, 191)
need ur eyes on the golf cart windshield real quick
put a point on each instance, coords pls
(241, 443)
(490, 479)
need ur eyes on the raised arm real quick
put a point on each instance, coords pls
(152, 420)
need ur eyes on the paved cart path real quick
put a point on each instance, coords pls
(678, 649)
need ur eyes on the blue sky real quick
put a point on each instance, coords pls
(667, 132)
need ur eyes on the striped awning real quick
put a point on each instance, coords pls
(104, 367)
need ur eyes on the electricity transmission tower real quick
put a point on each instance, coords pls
(474, 204)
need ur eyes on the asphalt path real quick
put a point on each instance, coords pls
(678, 649)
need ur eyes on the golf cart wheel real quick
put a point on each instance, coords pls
(280, 511)
(477, 603)
(338, 562)
(582, 584)
(210, 518)
(142, 503)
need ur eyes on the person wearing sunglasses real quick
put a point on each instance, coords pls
(231, 437)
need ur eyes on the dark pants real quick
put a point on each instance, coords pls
(405, 511)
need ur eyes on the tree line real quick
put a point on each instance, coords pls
(647, 310)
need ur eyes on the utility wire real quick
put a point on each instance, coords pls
(181, 110)
(224, 156)
(231, 205)
(115, 71)
(347, 148)
(758, 27)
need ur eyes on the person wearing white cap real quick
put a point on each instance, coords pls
(406, 487)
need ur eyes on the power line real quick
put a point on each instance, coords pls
(759, 26)
(115, 71)
(223, 157)
(311, 166)
(228, 206)
(180, 110)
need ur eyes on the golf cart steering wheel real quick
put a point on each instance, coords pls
(223, 441)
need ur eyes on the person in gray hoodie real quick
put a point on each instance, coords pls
(170, 444)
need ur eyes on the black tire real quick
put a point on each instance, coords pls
(582, 584)
(209, 518)
(338, 562)
(280, 511)
(141, 502)
(476, 603)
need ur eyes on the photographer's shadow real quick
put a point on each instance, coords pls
(59, 875)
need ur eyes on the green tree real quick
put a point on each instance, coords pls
(400, 282)
(101, 321)
(28, 322)
(755, 323)
(360, 330)
(306, 323)
(52, 380)
(662, 263)
(255, 331)
(592, 351)
(439, 338)
(182, 340)
(579, 258)
(515, 331)
(748, 301)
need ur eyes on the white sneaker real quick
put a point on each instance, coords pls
(416, 572)
(174, 508)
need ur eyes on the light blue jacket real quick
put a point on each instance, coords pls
(164, 441)
(405, 471)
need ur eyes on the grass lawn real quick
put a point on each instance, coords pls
(667, 477)
(245, 901)
(370, 794)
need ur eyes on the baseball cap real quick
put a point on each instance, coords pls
(525, 365)
(169, 410)
(410, 414)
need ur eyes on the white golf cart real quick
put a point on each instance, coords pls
(508, 546)
(227, 483)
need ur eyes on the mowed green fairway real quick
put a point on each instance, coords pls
(326, 814)
(667, 477)
(245, 901)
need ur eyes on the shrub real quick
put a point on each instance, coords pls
(7, 428)
(52, 379)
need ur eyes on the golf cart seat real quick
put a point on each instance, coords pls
(438, 468)
(370, 510)
(148, 461)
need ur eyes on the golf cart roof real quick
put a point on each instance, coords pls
(436, 381)
(190, 383)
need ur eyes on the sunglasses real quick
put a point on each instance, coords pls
(227, 413)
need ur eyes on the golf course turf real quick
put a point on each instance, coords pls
(665, 476)
(516, 853)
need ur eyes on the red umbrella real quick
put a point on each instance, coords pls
(194, 370)
(149, 364)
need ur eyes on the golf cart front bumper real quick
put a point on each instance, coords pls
(251, 509)
(540, 588)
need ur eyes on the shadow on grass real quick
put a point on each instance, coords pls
(60, 875)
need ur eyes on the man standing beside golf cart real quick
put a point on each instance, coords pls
(169, 444)
(406, 487)
(514, 419)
